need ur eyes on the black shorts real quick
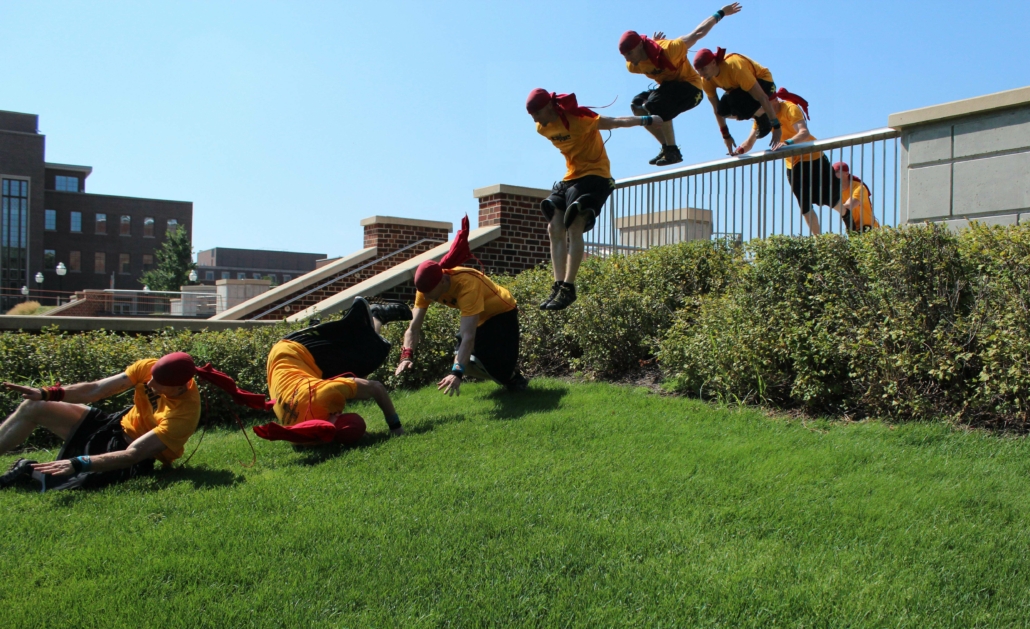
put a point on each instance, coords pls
(591, 191)
(814, 182)
(97, 433)
(497, 347)
(348, 346)
(740, 104)
(668, 100)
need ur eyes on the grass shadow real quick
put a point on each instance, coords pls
(314, 455)
(202, 477)
(510, 405)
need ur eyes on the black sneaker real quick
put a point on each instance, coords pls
(554, 293)
(518, 385)
(661, 155)
(566, 295)
(670, 155)
(20, 471)
(387, 310)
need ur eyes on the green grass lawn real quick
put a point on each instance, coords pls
(573, 505)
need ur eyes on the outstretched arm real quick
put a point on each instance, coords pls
(81, 393)
(411, 337)
(747, 144)
(451, 384)
(703, 28)
(606, 123)
(759, 94)
(146, 447)
(801, 135)
(723, 129)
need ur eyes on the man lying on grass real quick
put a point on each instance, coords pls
(313, 372)
(489, 346)
(102, 448)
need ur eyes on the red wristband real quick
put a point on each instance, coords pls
(407, 353)
(54, 393)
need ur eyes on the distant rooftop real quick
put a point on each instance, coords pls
(86, 170)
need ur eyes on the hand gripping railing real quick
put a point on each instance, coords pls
(746, 197)
(337, 278)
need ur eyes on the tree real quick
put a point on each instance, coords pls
(174, 262)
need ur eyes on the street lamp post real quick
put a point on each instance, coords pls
(25, 292)
(193, 276)
(61, 272)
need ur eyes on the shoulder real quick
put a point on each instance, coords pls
(139, 371)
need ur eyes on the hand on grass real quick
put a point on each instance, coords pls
(397, 432)
(28, 393)
(404, 364)
(62, 467)
(451, 385)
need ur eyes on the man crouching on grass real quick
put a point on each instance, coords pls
(102, 448)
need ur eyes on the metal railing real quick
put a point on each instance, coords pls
(751, 196)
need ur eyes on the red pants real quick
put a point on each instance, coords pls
(346, 429)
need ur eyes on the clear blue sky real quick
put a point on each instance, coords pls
(285, 123)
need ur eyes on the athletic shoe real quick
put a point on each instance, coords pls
(671, 155)
(20, 471)
(554, 293)
(520, 384)
(387, 310)
(566, 295)
(659, 156)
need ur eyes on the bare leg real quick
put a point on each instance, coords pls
(658, 131)
(667, 131)
(559, 247)
(59, 418)
(377, 325)
(813, 222)
(576, 248)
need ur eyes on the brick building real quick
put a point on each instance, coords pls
(48, 218)
(223, 263)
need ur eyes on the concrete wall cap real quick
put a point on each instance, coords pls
(503, 188)
(242, 282)
(120, 324)
(990, 102)
(411, 222)
(72, 167)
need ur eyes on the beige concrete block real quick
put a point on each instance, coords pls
(1004, 220)
(929, 193)
(1004, 131)
(955, 225)
(992, 185)
(979, 104)
(928, 144)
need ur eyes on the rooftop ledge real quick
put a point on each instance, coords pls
(413, 222)
(990, 102)
(503, 188)
(72, 167)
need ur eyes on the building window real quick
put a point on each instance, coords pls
(123, 263)
(148, 261)
(148, 227)
(287, 278)
(75, 261)
(76, 222)
(241, 276)
(50, 220)
(172, 225)
(14, 215)
(49, 260)
(209, 275)
(101, 224)
(66, 184)
(257, 276)
(125, 226)
(100, 262)
(225, 275)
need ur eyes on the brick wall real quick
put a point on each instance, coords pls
(523, 243)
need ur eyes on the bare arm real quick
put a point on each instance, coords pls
(719, 120)
(83, 392)
(146, 447)
(377, 391)
(606, 123)
(759, 94)
(747, 144)
(801, 135)
(704, 27)
(412, 336)
(451, 384)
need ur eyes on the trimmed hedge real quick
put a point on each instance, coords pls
(915, 323)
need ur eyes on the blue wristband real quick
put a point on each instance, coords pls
(788, 142)
(718, 15)
(457, 370)
(646, 121)
(774, 123)
(81, 464)
(393, 421)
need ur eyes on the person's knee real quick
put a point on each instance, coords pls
(31, 409)
(556, 228)
(638, 109)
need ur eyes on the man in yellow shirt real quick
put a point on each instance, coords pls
(679, 86)
(810, 174)
(856, 206)
(575, 202)
(746, 87)
(101, 448)
(489, 346)
(313, 372)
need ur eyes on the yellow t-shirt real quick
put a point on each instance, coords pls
(175, 419)
(736, 72)
(295, 383)
(581, 144)
(472, 293)
(676, 52)
(789, 115)
(861, 207)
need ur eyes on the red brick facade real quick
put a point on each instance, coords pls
(523, 243)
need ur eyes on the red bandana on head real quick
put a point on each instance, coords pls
(564, 104)
(783, 94)
(177, 369)
(654, 52)
(706, 56)
(430, 272)
(842, 167)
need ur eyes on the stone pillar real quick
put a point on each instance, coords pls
(523, 243)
